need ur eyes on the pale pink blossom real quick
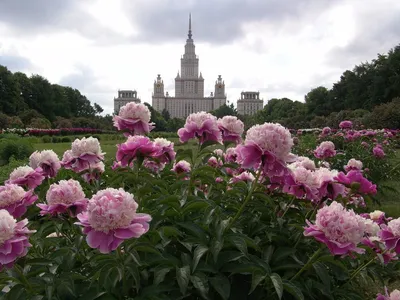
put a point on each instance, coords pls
(390, 235)
(181, 166)
(301, 183)
(26, 176)
(244, 176)
(200, 125)
(134, 147)
(378, 151)
(353, 164)
(14, 239)
(394, 295)
(268, 146)
(134, 118)
(94, 172)
(339, 229)
(111, 218)
(230, 155)
(85, 153)
(47, 160)
(153, 166)
(346, 125)
(325, 150)
(219, 152)
(328, 187)
(164, 150)
(15, 200)
(214, 162)
(303, 161)
(65, 196)
(326, 131)
(232, 129)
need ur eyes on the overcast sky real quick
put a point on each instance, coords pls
(282, 48)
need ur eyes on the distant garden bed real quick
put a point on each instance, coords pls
(60, 131)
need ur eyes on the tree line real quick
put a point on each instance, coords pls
(369, 94)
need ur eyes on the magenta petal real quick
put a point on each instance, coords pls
(124, 233)
(95, 238)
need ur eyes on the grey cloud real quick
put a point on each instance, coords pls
(377, 32)
(30, 17)
(14, 62)
(218, 21)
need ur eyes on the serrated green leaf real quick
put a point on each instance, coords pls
(183, 276)
(277, 282)
(198, 253)
(222, 285)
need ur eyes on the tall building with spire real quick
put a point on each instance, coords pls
(189, 87)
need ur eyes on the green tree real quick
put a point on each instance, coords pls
(224, 110)
(165, 114)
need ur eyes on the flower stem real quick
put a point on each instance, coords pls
(288, 206)
(248, 197)
(359, 269)
(307, 265)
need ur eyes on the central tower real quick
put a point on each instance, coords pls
(189, 83)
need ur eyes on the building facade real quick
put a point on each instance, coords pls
(249, 103)
(189, 87)
(124, 97)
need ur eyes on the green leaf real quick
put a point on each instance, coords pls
(216, 247)
(242, 268)
(200, 282)
(159, 274)
(39, 262)
(277, 282)
(220, 228)
(195, 206)
(239, 243)
(198, 253)
(255, 281)
(293, 290)
(195, 230)
(323, 274)
(222, 285)
(207, 144)
(182, 276)
(16, 292)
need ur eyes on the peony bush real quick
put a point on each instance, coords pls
(239, 216)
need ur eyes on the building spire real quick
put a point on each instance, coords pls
(190, 27)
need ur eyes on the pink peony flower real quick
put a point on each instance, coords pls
(326, 131)
(302, 183)
(364, 144)
(353, 164)
(94, 172)
(26, 176)
(339, 229)
(219, 180)
(390, 235)
(327, 186)
(134, 118)
(325, 150)
(153, 166)
(219, 153)
(378, 151)
(84, 154)
(394, 295)
(346, 125)
(164, 150)
(14, 239)
(303, 161)
(134, 147)
(47, 160)
(245, 176)
(15, 200)
(65, 197)
(214, 162)
(230, 155)
(355, 180)
(232, 129)
(181, 166)
(268, 146)
(200, 125)
(111, 218)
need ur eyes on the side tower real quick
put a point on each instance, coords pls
(158, 98)
(219, 94)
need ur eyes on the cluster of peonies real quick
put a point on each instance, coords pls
(47, 161)
(207, 127)
(155, 154)
(343, 231)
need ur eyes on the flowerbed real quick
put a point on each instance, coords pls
(248, 220)
(60, 131)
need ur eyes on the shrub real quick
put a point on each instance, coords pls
(46, 139)
(66, 140)
(19, 149)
